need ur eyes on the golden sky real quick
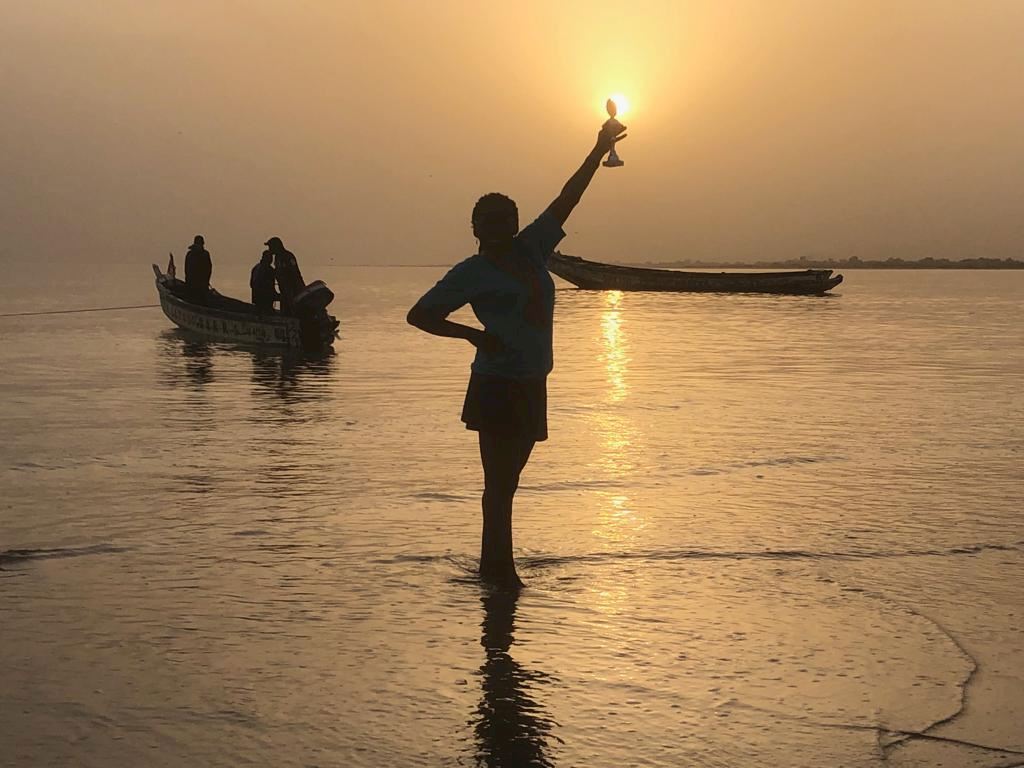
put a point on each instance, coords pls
(365, 132)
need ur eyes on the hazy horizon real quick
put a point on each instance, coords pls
(364, 134)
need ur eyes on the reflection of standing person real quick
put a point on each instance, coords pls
(289, 278)
(513, 297)
(512, 729)
(198, 270)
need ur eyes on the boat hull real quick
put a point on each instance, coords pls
(247, 328)
(594, 275)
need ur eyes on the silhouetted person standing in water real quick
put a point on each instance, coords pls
(198, 269)
(513, 297)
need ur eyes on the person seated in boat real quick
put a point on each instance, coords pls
(198, 269)
(289, 278)
(261, 280)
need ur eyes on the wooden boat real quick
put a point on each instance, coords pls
(609, 277)
(227, 319)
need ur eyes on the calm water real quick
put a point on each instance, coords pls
(766, 531)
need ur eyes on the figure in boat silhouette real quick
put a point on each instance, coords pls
(261, 283)
(198, 270)
(512, 295)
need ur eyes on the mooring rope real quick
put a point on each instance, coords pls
(73, 311)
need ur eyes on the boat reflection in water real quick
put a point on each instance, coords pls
(291, 377)
(196, 363)
(188, 361)
(259, 418)
(511, 728)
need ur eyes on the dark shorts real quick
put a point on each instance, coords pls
(513, 407)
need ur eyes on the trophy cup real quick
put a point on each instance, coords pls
(613, 161)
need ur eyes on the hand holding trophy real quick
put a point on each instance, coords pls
(614, 131)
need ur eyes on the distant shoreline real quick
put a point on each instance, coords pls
(853, 263)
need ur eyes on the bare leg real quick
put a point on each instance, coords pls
(503, 459)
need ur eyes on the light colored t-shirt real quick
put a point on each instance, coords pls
(516, 303)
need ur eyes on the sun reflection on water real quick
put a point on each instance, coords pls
(618, 522)
(615, 357)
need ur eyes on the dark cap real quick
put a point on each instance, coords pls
(198, 240)
(275, 242)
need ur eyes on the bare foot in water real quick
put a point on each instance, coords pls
(503, 576)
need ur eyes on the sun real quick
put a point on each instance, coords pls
(621, 102)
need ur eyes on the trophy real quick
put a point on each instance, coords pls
(613, 161)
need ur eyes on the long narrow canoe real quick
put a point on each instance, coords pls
(227, 319)
(608, 277)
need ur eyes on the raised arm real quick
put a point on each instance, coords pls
(611, 132)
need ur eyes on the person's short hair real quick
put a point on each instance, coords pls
(495, 217)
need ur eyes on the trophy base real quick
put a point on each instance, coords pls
(613, 162)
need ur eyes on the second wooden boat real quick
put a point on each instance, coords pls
(609, 277)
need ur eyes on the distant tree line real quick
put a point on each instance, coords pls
(851, 263)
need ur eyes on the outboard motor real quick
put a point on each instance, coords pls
(312, 299)
(310, 306)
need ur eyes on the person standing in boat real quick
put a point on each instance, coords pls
(261, 281)
(198, 270)
(289, 278)
(513, 297)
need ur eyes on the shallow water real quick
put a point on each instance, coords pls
(765, 530)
